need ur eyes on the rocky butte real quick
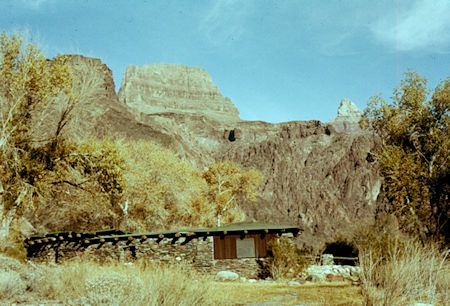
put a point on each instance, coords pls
(348, 118)
(321, 177)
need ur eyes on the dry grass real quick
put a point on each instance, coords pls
(411, 272)
(143, 283)
(279, 293)
(110, 284)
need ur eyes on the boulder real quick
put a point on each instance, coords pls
(293, 283)
(227, 276)
(315, 278)
(334, 278)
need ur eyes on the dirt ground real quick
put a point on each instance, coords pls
(280, 293)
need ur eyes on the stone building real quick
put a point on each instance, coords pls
(236, 247)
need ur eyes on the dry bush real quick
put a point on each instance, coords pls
(285, 261)
(76, 282)
(9, 264)
(11, 285)
(12, 235)
(396, 269)
(113, 288)
(178, 285)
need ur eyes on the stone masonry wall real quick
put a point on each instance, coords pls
(197, 253)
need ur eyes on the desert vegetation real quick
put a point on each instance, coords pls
(51, 182)
(397, 268)
(85, 282)
(285, 261)
(404, 254)
(413, 157)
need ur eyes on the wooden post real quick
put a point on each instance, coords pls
(160, 237)
(130, 240)
(187, 239)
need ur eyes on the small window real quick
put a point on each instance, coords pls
(245, 248)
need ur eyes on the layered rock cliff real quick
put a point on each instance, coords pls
(314, 176)
(165, 88)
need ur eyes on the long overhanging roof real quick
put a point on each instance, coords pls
(101, 237)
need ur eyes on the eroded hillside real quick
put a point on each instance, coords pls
(314, 177)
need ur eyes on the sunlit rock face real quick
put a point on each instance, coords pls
(347, 120)
(163, 88)
(315, 178)
(321, 177)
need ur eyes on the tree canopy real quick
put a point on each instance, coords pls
(229, 186)
(414, 156)
(34, 169)
(57, 182)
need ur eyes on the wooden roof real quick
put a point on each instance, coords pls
(100, 237)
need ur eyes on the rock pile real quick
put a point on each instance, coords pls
(332, 273)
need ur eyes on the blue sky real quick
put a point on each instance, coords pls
(276, 60)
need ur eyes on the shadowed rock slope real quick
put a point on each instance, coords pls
(314, 177)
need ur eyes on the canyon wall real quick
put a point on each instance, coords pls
(321, 177)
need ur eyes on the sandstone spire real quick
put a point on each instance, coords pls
(347, 120)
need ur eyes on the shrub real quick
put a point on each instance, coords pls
(113, 288)
(285, 261)
(11, 242)
(8, 264)
(77, 282)
(397, 269)
(11, 285)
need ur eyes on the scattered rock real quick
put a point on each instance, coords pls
(301, 280)
(293, 283)
(227, 276)
(327, 259)
(334, 272)
(334, 278)
(313, 278)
